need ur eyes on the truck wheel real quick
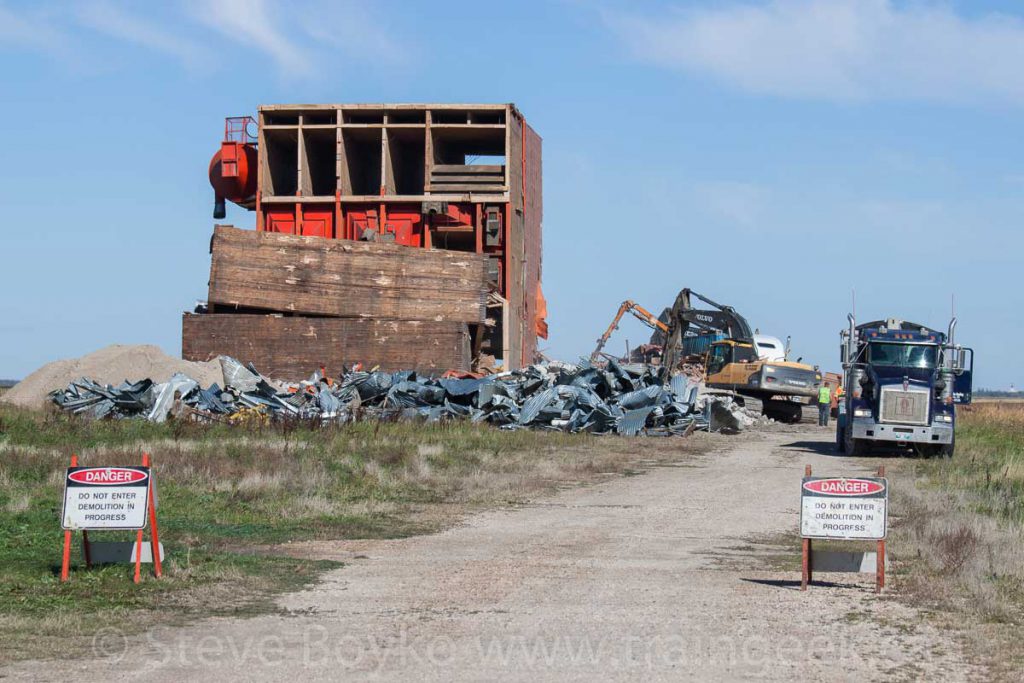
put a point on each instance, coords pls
(854, 447)
(946, 450)
(840, 435)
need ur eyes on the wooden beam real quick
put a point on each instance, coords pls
(291, 348)
(313, 275)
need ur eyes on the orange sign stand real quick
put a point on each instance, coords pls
(154, 536)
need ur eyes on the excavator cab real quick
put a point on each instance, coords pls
(728, 361)
(718, 357)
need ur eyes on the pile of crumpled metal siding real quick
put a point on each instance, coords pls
(619, 398)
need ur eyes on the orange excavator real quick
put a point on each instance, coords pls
(638, 312)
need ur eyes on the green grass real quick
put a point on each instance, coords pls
(989, 464)
(228, 494)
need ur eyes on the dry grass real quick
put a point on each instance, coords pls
(227, 492)
(18, 503)
(966, 561)
(1006, 411)
(960, 537)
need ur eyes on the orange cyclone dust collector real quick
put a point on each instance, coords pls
(233, 169)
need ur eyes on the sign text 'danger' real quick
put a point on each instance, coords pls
(111, 476)
(844, 487)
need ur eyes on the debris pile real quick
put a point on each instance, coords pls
(730, 417)
(108, 365)
(619, 398)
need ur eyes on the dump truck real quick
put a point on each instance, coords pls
(903, 382)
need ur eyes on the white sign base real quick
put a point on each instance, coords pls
(840, 561)
(119, 552)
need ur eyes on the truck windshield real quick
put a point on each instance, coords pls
(901, 355)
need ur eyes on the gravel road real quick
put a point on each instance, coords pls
(667, 575)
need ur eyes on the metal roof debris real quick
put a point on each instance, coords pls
(626, 399)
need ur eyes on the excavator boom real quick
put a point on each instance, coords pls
(682, 317)
(638, 312)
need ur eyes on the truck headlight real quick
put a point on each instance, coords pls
(943, 418)
(862, 412)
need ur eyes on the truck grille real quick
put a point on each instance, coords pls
(905, 407)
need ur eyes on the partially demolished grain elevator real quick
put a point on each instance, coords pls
(404, 236)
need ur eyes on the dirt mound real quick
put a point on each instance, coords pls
(111, 365)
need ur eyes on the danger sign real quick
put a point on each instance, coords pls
(106, 498)
(844, 508)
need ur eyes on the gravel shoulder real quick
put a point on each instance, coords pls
(658, 576)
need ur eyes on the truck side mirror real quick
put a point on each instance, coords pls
(842, 354)
(961, 359)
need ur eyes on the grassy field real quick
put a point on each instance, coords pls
(961, 536)
(227, 495)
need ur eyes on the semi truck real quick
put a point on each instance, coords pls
(902, 383)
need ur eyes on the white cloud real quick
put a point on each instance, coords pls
(890, 217)
(354, 28)
(300, 36)
(33, 30)
(115, 22)
(837, 49)
(254, 23)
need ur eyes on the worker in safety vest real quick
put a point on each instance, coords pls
(824, 404)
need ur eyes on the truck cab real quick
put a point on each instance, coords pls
(770, 348)
(902, 383)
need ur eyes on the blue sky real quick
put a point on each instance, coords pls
(773, 155)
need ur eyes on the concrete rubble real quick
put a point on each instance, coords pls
(626, 399)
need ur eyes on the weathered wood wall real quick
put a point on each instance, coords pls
(291, 347)
(533, 236)
(312, 275)
(525, 250)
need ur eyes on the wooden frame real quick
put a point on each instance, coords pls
(379, 157)
(807, 561)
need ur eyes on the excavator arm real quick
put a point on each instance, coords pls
(683, 317)
(638, 312)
